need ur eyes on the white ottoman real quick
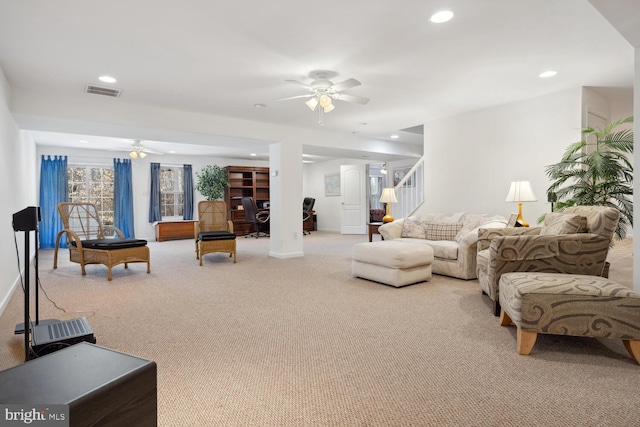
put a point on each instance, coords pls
(392, 262)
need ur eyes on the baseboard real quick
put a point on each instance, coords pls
(287, 255)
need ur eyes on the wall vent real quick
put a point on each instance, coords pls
(99, 90)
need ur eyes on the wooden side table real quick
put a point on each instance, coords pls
(373, 229)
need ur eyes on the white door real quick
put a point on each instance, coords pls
(353, 194)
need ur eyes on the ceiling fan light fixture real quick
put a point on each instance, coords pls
(325, 102)
(142, 154)
(133, 155)
(312, 103)
(329, 108)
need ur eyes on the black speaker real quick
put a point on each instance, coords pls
(27, 219)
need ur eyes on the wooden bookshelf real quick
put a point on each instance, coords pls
(245, 181)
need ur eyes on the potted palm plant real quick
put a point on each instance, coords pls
(212, 182)
(597, 170)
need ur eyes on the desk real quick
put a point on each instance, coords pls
(373, 229)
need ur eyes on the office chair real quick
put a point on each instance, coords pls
(254, 216)
(307, 210)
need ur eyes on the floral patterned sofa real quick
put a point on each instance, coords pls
(452, 236)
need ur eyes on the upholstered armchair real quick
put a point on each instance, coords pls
(575, 241)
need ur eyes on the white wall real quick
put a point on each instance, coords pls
(636, 166)
(471, 159)
(328, 208)
(17, 191)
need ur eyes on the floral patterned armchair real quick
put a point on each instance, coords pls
(575, 241)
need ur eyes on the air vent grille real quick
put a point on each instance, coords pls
(99, 90)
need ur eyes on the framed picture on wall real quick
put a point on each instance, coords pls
(332, 184)
(399, 174)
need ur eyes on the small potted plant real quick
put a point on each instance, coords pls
(212, 182)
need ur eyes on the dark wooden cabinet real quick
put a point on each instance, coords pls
(245, 181)
(100, 386)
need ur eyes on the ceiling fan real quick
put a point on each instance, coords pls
(322, 91)
(138, 151)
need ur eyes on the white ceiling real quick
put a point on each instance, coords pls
(222, 58)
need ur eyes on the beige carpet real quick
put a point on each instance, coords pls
(299, 342)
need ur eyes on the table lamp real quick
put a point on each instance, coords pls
(520, 191)
(388, 196)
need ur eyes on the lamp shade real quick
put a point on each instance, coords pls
(388, 195)
(312, 103)
(325, 101)
(521, 191)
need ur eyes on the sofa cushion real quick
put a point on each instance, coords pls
(413, 228)
(441, 230)
(444, 249)
(563, 223)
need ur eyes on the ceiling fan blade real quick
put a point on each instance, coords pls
(349, 83)
(304, 85)
(149, 151)
(296, 97)
(350, 98)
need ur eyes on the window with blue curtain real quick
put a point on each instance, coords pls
(123, 197)
(187, 198)
(155, 194)
(53, 190)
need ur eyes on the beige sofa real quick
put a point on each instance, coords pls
(452, 236)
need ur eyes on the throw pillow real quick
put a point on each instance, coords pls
(413, 228)
(563, 223)
(441, 230)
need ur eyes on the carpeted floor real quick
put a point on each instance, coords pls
(299, 342)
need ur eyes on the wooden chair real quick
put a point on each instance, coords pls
(212, 231)
(87, 244)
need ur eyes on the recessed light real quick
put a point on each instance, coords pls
(259, 105)
(442, 16)
(84, 141)
(172, 151)
(394, 136)
(107, 79)
(548, 73)
(252, 154)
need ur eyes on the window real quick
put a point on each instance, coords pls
(93, 184)
(172, 191)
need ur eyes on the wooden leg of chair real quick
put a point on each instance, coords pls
(633, 347)
(109, 276)
(234, 257)
(148, 267)
(505, 320)
(126, 265)
(525, 341)
(201, 260)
